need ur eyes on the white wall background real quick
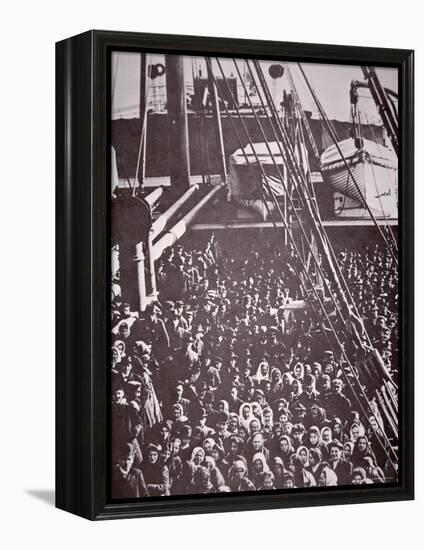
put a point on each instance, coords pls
(28, 33)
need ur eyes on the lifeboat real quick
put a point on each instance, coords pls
(374, 169)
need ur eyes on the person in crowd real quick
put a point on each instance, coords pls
(127, 480)
(155, 473)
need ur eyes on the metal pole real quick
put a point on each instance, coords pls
(178, 127)
(154, 196)
(178, 230)
(143, 118)
(152, 274)
(218, 125)
(160, 224)
(141, 277)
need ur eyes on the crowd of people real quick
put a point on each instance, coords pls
(226, 383)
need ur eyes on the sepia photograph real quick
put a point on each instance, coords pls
(254, 276)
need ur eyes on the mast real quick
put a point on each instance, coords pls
(218, 125)
(178, 127)
(143, 119)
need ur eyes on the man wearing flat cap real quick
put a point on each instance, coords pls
(339, 465)
(127, 481)
(309, 395)
(337, 404)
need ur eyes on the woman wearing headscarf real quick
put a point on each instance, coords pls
(285, 450)
(348, 451)
(298, 371)
(317, 372)
(326, 439)
(115, 359)
(259, 466)
(356, 429)
(315, 462)
(178, 418)
(223, 406)
(327, 478)
(189, 467)
(255, 445)
(246, 415)
(278, 469)
(288, 428)
(302, 477)
(216, 477)
(257, 412)
(361, 449)
(303, 453)
(359, 477)
(337, 429)
(254, 426)
(313, 438)
(237, 476)
(175, 467)
(208, 444)
(120, 346)
(262, 372)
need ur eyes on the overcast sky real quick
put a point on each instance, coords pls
(330, 82)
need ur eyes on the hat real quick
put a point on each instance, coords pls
(299, 428)
(335, 443)
(309, 379)
(166, 424)
(127, 450)
(221, 418)
(153, 447)
(185, 430)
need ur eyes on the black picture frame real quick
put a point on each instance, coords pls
(82, 272)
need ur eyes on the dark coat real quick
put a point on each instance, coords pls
(343, 471)
(156, 477)
(131, 486)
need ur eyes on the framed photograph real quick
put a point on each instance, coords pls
(234, 275)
